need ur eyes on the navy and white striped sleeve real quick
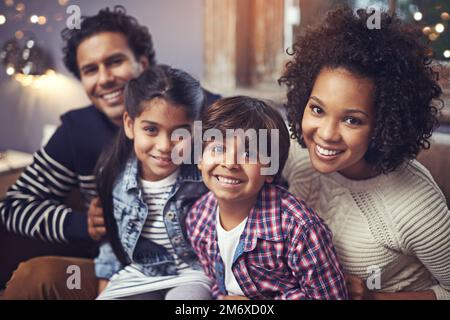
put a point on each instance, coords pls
(34, 207)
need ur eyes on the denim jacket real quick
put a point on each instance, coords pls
(130, 212)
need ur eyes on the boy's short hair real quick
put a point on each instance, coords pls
(241, 112)
(106, 20)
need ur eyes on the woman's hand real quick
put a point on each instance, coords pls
(357, 289)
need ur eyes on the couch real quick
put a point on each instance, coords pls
(14, 249)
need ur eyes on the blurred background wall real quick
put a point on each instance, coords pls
(176, 27)
(232, 46)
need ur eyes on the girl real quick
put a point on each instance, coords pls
(145, 196)
(360, 101)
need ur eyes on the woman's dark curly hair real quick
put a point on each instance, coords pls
(394, 57)
(106, 20)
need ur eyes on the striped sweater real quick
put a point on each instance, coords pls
(33, 206)
(396, 225)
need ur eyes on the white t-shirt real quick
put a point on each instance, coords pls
(228, 242)
(155, 195)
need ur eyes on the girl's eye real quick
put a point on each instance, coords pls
(316, 110)
(353, 121)
(151, 130)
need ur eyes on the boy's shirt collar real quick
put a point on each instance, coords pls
(264, 220)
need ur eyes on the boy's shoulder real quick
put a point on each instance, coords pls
(206, 201)
(292, 212)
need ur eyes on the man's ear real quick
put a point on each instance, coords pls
(128, 124)
(143, 62)
(269, 179)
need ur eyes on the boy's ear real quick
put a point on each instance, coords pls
(199, 165)
(269, 179)
(128, 125)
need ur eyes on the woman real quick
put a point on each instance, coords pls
(361, 102)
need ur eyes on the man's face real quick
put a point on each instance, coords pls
(106, 64)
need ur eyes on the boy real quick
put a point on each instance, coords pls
(253, 238)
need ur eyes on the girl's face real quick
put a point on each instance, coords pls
(338, 122)
(151, 132)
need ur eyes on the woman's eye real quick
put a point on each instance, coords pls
(353, 121)
(316, 110)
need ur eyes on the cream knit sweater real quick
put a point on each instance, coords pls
(398, 224)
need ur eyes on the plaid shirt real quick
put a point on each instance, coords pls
(285, 251)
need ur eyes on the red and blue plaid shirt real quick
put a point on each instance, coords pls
(285, 251)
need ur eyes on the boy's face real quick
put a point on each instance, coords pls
(106, 64)
(226, 177)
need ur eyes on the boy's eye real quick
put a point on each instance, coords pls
(316, 110)
(353, 121)
(217, 149)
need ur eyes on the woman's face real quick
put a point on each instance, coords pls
(338, 123)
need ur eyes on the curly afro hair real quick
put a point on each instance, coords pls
(106, 20)
(394, 57)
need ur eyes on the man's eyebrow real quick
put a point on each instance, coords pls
(108, 59)
(115, 56)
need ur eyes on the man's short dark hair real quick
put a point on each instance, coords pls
(106, 20)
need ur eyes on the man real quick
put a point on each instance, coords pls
(107, 51)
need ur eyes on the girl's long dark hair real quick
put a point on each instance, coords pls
(176, 87)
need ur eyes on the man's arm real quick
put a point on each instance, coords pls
(34, 207)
